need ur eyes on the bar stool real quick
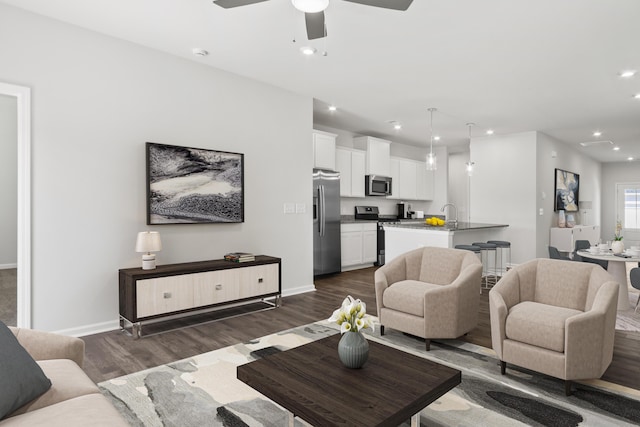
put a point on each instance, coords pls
(485, 250)
(476, 250)
(503, 246)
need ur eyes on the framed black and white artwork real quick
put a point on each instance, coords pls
(567, 190)
(193, 185)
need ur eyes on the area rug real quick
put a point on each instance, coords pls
(204, 391)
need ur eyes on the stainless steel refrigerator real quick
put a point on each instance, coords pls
(326, 222)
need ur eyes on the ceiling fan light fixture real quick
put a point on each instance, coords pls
(310, 6)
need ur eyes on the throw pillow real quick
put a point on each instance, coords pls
(21, 378)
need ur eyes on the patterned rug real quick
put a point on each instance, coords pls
(203, 390)
(629, 320)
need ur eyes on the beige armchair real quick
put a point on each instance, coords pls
(430, 293)
(555, 317)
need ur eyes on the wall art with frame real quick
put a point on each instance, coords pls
(567, 190)
(193, 185)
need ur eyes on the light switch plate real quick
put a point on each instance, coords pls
(289, 208)
(301, 208)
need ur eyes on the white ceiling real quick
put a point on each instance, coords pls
(508, 65)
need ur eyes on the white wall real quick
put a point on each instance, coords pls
(8, 181)
(613, 173)
(503, 189)
(553, 154)
(388, 206)
(458, 190)
(96, 101)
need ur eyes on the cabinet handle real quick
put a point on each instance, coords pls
(166, 295)
(218, 287)
(260, 280)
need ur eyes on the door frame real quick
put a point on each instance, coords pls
(23, 97)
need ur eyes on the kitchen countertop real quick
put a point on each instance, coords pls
(346, 219)
(461, 226)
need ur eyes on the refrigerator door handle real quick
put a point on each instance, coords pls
(322, 211)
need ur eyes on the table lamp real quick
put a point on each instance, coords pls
(148, 241)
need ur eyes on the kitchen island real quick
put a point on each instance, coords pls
(405, 236)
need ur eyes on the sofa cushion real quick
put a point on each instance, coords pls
(407, 296)
(68, 381)
(90, 410)
(21, 379)
(540, 325)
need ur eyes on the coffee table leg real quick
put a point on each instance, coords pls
(415, 420)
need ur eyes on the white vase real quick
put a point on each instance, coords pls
(617, 247)
(561, 219)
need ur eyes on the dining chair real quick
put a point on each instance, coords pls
(554, 253)
(585, 245)
(634, 278)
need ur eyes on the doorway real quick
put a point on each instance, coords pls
(19, 97)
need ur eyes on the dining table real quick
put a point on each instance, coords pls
(617, 267)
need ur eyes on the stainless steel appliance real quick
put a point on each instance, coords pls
(372, 213)
(377, 185)
(326, 222)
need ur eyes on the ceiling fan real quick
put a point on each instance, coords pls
(314, 10)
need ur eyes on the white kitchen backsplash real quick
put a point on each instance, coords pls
(386, 206)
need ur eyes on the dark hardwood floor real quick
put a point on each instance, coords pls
(112, 354)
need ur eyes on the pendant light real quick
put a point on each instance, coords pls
(470, 164)
(432, 161)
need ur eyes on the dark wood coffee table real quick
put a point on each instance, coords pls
(311, 383)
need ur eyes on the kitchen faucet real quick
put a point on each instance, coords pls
(454, 221)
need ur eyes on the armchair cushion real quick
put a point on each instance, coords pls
(407, 296)
(540, 325)
(21, 379)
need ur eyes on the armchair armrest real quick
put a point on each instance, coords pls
(589, 336)
(46, 345)
(504, 295)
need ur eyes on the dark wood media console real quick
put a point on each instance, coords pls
(180, 289)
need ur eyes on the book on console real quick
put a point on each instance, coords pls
(240, 256)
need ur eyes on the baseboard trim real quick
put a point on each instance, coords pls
(299, 290)
(8, 266)
(95, 328)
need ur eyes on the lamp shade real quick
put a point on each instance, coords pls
(310, 6)
(148, 241)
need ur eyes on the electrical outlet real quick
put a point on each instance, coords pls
(289, 208)
(301, 208)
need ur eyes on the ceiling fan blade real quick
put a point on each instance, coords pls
(228, 4)
(315, 25)
(387, 4)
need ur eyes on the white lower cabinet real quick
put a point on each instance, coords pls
(564, 239)
(358, 244)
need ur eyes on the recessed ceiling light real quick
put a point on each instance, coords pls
(629, 158)
(397, 126)
(637, 96)
(332, 108)
(597, 133)
(616, 148)
(627, 73)
(199, 52)
(436, 138)
(489, 131)
(310, 6)
(308, 50)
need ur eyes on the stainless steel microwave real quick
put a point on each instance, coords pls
(377, 185)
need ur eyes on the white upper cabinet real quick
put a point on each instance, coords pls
(410, 180)
(424, 189)
(351, 165)
(324, 150)
(378, 154)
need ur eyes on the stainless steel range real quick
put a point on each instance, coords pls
(372, 213)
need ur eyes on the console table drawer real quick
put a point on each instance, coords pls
(261, 279)
(164, 295)
(214, 287)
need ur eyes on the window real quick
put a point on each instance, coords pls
(628, 209)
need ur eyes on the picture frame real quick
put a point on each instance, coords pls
(567, 191)
(188, 185)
